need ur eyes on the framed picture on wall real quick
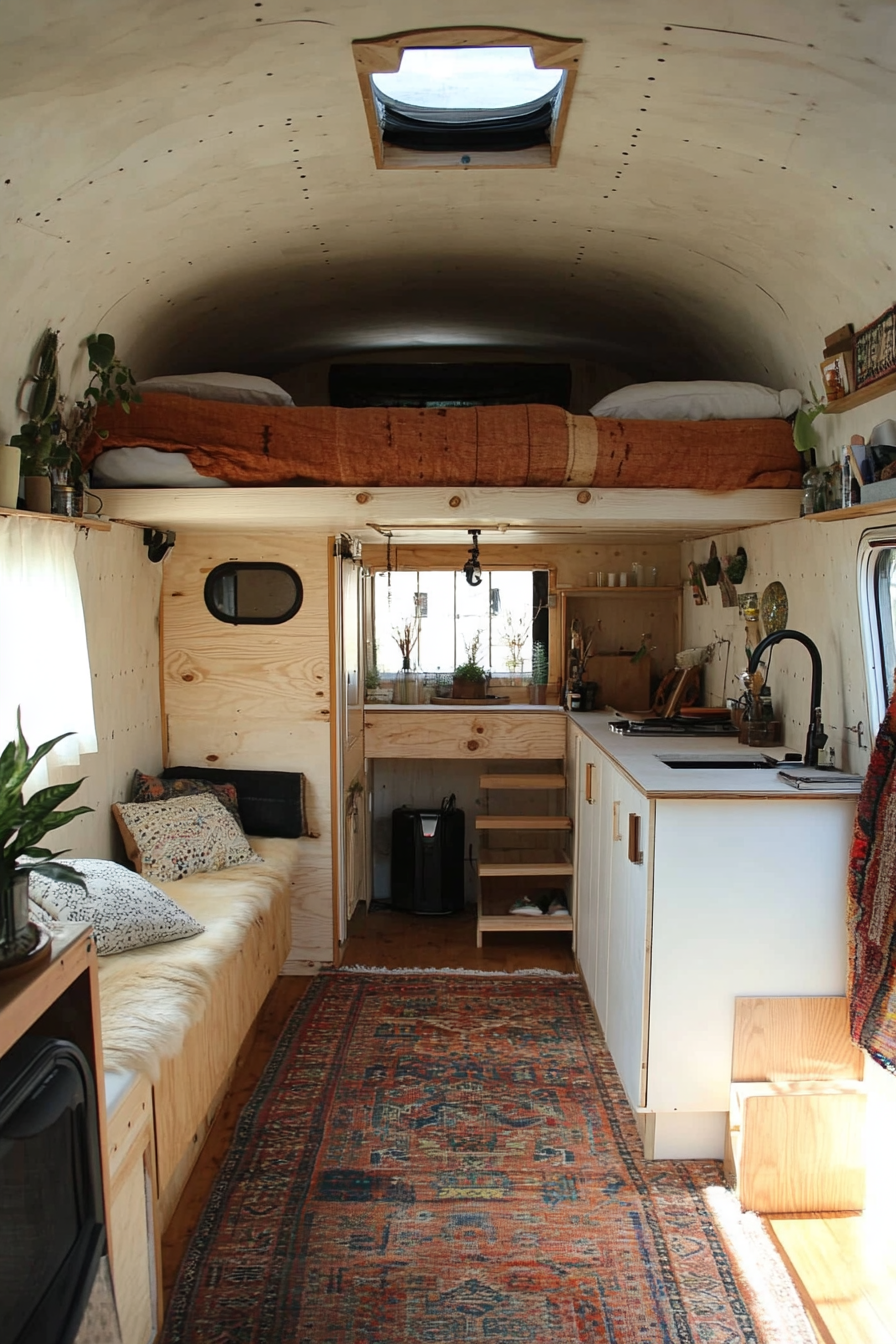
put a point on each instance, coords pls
(876, 349)
(835, 375)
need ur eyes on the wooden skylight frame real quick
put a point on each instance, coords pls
(383, 56)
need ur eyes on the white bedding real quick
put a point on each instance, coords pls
(151, 996)
(148, 467)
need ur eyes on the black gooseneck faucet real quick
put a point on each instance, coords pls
(816, 736)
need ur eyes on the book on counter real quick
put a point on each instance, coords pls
(821, 781)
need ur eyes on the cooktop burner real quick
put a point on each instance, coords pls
(673, 727)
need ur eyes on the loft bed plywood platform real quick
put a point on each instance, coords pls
(425, 513)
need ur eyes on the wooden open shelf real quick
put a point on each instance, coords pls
(870, 510)
(495, 901)
(864, 394)
(100, 524)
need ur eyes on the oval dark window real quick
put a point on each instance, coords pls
(253, 592)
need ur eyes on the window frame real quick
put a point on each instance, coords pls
(231, 568)
(383, 56)
(871, 544)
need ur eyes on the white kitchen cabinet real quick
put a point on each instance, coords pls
(698, 900)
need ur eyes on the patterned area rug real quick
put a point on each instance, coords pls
(438, 1158)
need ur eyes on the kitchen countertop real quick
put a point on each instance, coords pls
(446, 704)
(638, 758)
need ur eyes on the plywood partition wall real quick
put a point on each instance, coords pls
(257, 698)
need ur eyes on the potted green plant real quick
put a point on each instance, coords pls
(52, 437)
(539, 688)
(470, 677)
(22, 825)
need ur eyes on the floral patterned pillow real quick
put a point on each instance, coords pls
(151, 789)
(179, 836)
(125, 910)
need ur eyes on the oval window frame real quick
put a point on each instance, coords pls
(232, 567)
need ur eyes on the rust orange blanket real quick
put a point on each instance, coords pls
(489, 446)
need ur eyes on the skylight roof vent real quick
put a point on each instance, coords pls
(467, 98)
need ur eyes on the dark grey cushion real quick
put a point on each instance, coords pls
(271, 802)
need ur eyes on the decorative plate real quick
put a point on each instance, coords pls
(773, 608)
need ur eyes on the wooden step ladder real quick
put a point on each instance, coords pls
(507, 874)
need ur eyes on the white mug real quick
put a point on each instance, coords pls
(612, 580)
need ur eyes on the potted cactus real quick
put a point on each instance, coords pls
(538, 689)
(22, 825)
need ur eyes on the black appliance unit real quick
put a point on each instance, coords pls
(428, 859)
(51, 1191)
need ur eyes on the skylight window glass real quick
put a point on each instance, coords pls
(467, 78)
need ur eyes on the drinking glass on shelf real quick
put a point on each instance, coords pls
(623, 580)
(653, 583)
(612, 580)
(637, 575)
(600, 579)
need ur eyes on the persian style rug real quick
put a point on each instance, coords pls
(871, 981)
(435, 1158)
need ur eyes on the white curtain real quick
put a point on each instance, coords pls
(44, 666)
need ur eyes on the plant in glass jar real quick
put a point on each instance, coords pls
(405, 689)
(22, 826)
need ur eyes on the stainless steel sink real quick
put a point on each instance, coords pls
(720, 761)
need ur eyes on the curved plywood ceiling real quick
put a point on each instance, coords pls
(198, 179)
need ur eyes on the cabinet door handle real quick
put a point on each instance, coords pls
(634, 838)
(589, 782)
(617, 834)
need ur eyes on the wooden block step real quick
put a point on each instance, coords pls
(796, 1147)
(524, 862)
(509, 823)
(551, 781)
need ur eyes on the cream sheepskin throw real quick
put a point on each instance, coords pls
(151, 996)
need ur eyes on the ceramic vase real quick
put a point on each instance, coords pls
(10, 463)
(37, 494)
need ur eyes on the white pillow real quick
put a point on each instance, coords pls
(698, 401)
(125, 910)
(220, 387)
(141, 465)
(192, 833)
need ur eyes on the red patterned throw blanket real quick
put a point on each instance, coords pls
(872, 904)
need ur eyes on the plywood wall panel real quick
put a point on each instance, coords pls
(257, 698)
(120, 592)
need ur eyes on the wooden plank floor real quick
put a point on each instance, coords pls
(846, 1272)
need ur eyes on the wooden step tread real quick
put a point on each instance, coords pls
(532, 923)
(551, 781)
(508, 823)
(524, 862)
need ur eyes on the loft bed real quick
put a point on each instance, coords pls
(239, 444)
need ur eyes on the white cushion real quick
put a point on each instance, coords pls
(220, 387)
(125, 910)
(141, 465)
(698, 401)
(192, 834)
